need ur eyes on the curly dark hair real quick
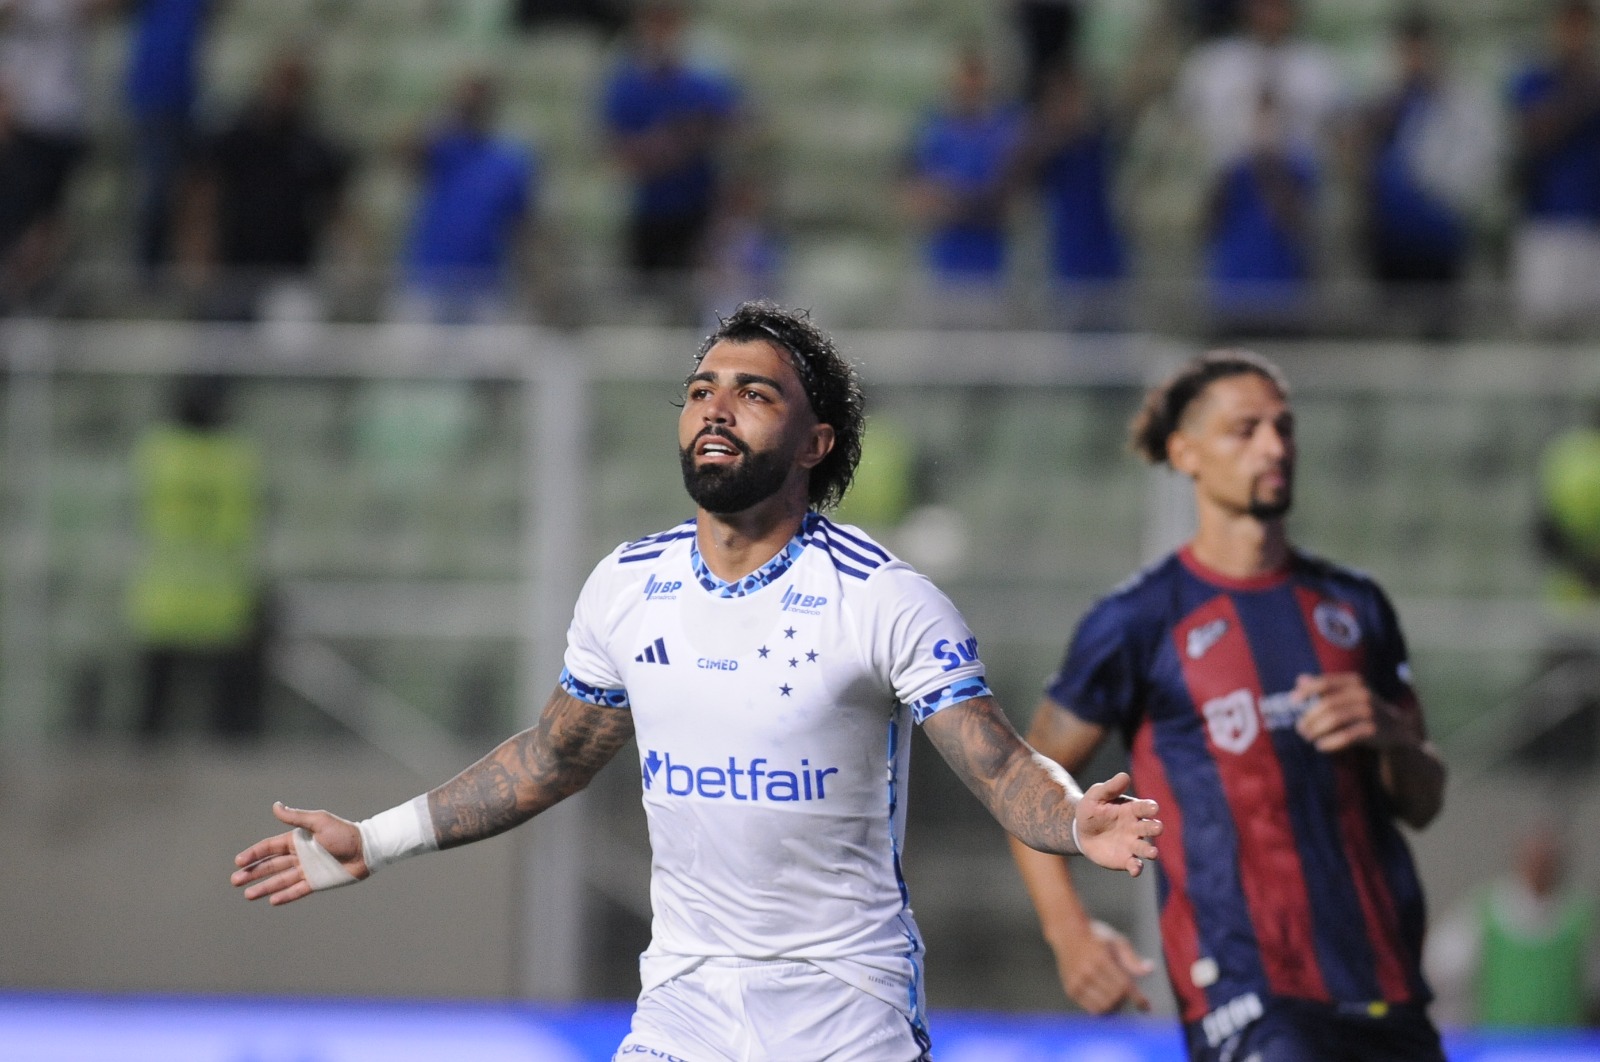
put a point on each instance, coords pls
(1165, 405)
(831, 385)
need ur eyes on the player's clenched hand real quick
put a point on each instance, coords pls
(1344, 712)
(1099, 972)
(276, 867)
(1114, 829)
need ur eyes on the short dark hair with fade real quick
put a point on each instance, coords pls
(1165, 404)
(831, 385)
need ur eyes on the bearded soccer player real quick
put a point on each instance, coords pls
(1266, 701)
(770, 663)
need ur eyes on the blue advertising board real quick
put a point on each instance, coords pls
(74, 1028)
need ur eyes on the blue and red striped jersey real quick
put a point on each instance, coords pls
(1282, 870)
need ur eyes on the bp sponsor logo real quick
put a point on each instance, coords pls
(805, 604)
(661, 589)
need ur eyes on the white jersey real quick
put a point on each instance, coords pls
(772, 718)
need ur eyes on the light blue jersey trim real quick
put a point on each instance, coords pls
(942, 698)
(765, 575)
(581, 690)
(914, 946)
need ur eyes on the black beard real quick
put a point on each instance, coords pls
(723, 490)
(1273, 510)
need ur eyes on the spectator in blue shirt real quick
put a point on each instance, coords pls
(1259, 233)
(1417, 234)
(957, 180)
(1067, 153)
(668, 122)
(474, 211)
(1557, 104)
(163, 85)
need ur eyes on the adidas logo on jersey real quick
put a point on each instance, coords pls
(654, 653)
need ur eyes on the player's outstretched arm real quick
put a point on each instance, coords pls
(523, 776)
(1034, 798)
(322, 851)
(530, 771)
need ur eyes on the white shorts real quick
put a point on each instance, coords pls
(737, 1010)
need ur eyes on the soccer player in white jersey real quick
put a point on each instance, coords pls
(769, 663)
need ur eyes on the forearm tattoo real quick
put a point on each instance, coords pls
(1030, 796)
(530, 771)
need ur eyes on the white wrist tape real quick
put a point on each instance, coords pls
(1075, 842)
(322, 871)
(396, 834)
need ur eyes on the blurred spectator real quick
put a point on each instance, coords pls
(669, 123)
(744, 249)
(163, 85)
(1431, 149)
(1522, 951)
(1213, 18)
(956, 186)
(1223, 80)
(44, 48)
(195, 601)
(474, 214)
(1557, 102)
(1067, 152)
(265, 189)
(1048, 31)
(1259, 233)
(606, 16)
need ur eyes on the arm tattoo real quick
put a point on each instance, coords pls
(529, 771)
(1028, 794)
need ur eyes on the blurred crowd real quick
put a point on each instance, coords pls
(1296, 176)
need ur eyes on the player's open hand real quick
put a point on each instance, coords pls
(287, 867)
(1114, 829)
(1345, 712)
(1100, 970)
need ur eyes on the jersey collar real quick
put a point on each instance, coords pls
(769, 572)
(1264, 581)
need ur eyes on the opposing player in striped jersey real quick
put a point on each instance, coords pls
(1266, 701)
(769, 663)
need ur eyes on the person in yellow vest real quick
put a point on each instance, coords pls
(194, 601)
(1523, 951)
(1569, 514)
(1567, 718)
